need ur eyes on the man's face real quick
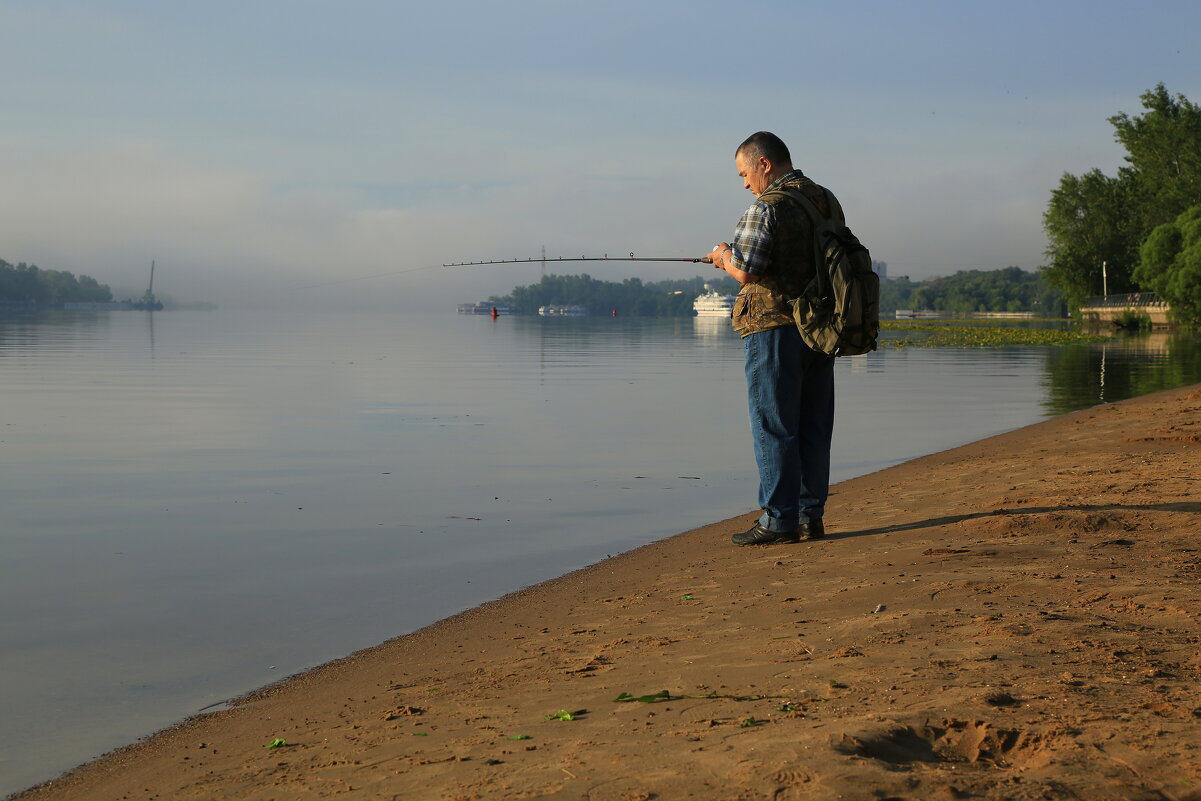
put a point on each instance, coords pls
(754, 173)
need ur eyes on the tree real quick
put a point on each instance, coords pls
(25, 283)
(1089, 225)
(1011, 289)
(1171, 265)
(896, 293)
(92, 290)
(1163, 149)
(1093, 219)
(631, 297)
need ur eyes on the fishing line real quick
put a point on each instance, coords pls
(543, 260)
(532, 260)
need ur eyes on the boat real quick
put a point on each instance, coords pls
(148, 301)
(712, 303)
(562, 311)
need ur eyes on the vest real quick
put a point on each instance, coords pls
(764, 305)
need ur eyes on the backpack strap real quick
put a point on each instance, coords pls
(836, 212)
(817, 219)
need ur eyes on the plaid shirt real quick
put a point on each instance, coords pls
(758, 306)
(753, 237)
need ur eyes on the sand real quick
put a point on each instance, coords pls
(1013, 619)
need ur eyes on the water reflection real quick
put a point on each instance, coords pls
(1079, 376)
(712, 331)
(50, 331)
(265, 478)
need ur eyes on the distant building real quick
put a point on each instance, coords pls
(881, 268)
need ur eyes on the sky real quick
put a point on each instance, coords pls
(309, 153)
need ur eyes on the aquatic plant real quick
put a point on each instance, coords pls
(957, 334)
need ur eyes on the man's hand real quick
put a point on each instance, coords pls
(720, 255)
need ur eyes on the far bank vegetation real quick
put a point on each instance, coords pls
(26, 283)
(1138, 230)
(1011, 289)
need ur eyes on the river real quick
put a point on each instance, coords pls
(195, 504)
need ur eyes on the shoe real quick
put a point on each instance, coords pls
(815, 529)
(758, 535)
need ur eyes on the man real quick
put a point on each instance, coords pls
(790, 387)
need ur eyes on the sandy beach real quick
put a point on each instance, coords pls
(1017, 618)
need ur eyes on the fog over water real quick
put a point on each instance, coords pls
(196, 504)
(254, 148)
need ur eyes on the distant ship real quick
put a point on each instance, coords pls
(148, 301)
(562, 311)
(713, 304)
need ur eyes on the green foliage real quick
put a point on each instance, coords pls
(930, 334)
(25, 283)
(563, 714)
(1134, 320)
(1088, 223)
(1010, 289)
(1093, 218)
(631, 297)
(1163, 149)
(1171, 265)
(895, 293)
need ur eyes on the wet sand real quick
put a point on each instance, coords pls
(1017, 618)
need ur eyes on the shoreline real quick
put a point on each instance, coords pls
(1012, 618)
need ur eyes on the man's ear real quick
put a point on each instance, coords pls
(764, 164)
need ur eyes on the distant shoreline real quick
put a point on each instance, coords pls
(115, 305)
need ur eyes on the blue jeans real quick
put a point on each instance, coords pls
(791, 393)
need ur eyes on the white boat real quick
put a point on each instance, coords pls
(713, 304)
(562, 311)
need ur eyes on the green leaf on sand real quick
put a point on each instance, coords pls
(278, 742)
(563, 714)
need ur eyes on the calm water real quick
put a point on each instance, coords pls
(196, 504)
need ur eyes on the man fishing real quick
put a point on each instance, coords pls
(790, 387)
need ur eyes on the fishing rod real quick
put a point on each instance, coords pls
(605, 257)
(541, 260)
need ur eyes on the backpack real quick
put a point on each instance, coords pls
(838, 313)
